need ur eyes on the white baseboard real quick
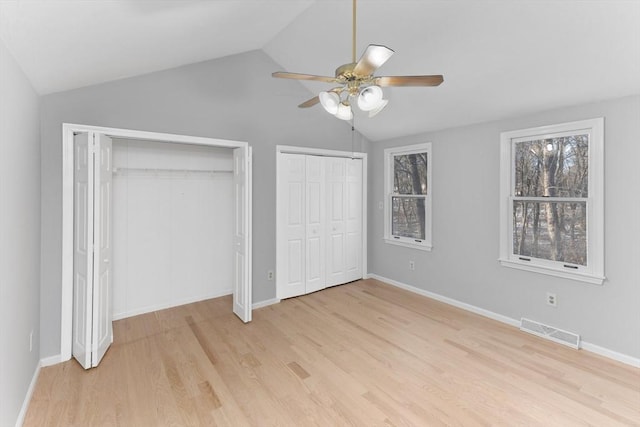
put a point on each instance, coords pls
(450, 301)
(51, 360)
(149, 309)
(27, 397)
(593, 348)
(265, 303)
(602, 351)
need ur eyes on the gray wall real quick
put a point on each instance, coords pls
(230, 98)
(463, 264)
(19, 236)
(235, 98)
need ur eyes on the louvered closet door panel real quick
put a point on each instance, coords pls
(336, 224)
(291, 226)
(353, 220)
(315, 219)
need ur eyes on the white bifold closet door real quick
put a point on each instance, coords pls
(242, 233)
(92, 311)
(319, 223)
(353, 220)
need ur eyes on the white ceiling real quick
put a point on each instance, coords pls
(499, 58)
(66, 44)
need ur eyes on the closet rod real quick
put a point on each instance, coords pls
(335, 156)
(160, 170)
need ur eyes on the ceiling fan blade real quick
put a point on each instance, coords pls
(408, 80)
(309, 103)
(298, 76)
(372, 59)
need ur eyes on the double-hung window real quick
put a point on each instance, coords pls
(551, 214)
(408, 196)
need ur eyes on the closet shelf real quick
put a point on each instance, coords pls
(118, 171)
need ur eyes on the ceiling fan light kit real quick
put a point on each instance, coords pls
(330, 101)
(370, 98)
(379, 108)
(344, 111)
(357, 82)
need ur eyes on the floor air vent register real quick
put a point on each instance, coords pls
(549, 332)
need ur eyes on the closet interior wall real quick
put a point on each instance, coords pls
(172, 225)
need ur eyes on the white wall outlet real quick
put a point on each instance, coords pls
(552, 300)
(270, 275)
(380, 205)
(31, 341)
(412, 265)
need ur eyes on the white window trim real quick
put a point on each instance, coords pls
(593, 272)
(426, 244)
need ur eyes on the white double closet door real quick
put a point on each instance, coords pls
(320, 204)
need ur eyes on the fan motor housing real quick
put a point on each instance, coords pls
(346, 71)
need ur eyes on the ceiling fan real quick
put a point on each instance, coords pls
(357, 82)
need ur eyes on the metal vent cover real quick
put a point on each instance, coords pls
(550, 333)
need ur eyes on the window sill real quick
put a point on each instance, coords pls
(582, 277)
(422, 247)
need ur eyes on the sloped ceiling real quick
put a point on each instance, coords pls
(499, 58)
(66, 44)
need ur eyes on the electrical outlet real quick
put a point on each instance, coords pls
(412, 265)
(380, 205)
(270, 275)
(31, 342)
(552, 300)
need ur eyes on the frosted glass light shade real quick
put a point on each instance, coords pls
(329, 101)
(380, 107)
(370, 98)
(344, 112)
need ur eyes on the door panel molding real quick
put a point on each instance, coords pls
(83, 249)
(290, 227)
(242, 233)
(102, 319)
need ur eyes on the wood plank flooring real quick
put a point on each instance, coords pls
(361, 354)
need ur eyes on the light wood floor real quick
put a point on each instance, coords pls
(364, 354)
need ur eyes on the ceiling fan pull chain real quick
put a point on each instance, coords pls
(353, 130)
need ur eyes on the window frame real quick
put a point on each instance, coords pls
(593, 271)
(389, 155)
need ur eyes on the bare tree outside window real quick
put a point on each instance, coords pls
(549, 206)
(409, 199)
(552, 200)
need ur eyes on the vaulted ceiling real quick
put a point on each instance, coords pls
(499, 58)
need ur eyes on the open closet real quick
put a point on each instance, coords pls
(172, 225)
(151, 221)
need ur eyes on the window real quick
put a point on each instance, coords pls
(551, 218)
(408, 196)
